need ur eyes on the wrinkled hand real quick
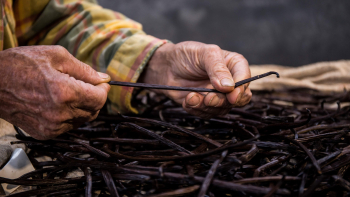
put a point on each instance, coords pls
(46, 91)
(194, 64)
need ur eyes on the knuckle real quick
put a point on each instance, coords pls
(221, 70)
(220, 67)
(86, 70)
(239, 57)
(62, 94)
(61, 98)
(60, 49)
(213, 47)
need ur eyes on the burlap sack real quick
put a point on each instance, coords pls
(323, 76)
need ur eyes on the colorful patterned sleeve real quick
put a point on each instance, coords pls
(106, 40)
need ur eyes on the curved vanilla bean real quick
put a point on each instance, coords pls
(43, 191)
(330, 156)
(266, 179)
(127, 141)
(209, 178)
(164, 87)
(269, 165)
(178, 192)
(313, 186)
(33, 182)
(343, 111)
(90, 148)
(174, 127)
(185, 157)
(319, 127)
(250, 154)
(88, 186)
(257, 77)
(304, 179)
(324, 135)
(342, 182)
(278, 126)
(311, 156)
(232, 165)
(107, 177)
(276, 187)
(158, 137)
(65, 192)
(38, 171)
(216, 182)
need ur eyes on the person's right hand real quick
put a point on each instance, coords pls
(45, 91)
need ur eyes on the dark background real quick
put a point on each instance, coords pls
(286, 32)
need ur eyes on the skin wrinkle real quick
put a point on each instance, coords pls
(190, 59)
(194, 64)
(185, 66)
(71, 93)
(8, 98)
(41, 94)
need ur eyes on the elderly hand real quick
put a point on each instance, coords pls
(194, 64)
(46, 91)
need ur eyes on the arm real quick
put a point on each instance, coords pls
(51, 91)
(101, 38)
(112, 43)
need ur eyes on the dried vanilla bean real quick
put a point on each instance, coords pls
(168, 152)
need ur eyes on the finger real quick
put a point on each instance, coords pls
(193, 100)
(246, 97)
(195, 103)
(90, 97)
(239, 69)
(234, 96)
(77, 69)
(213, 63)
(216, 100)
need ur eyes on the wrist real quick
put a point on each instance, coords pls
(157, 69)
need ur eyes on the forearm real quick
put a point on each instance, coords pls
(106, 40)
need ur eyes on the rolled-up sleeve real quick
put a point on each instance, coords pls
(104, 39)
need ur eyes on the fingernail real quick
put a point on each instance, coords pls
(193, 101)
(227, 82)
(214, 101)
(103, 75)
(238, 97)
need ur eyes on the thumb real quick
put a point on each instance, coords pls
(81, 71)
(219, 75)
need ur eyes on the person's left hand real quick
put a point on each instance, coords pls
(194, 64)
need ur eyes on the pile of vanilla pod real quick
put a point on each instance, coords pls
(291, 143)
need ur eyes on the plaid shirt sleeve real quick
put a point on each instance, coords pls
(106, 40)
